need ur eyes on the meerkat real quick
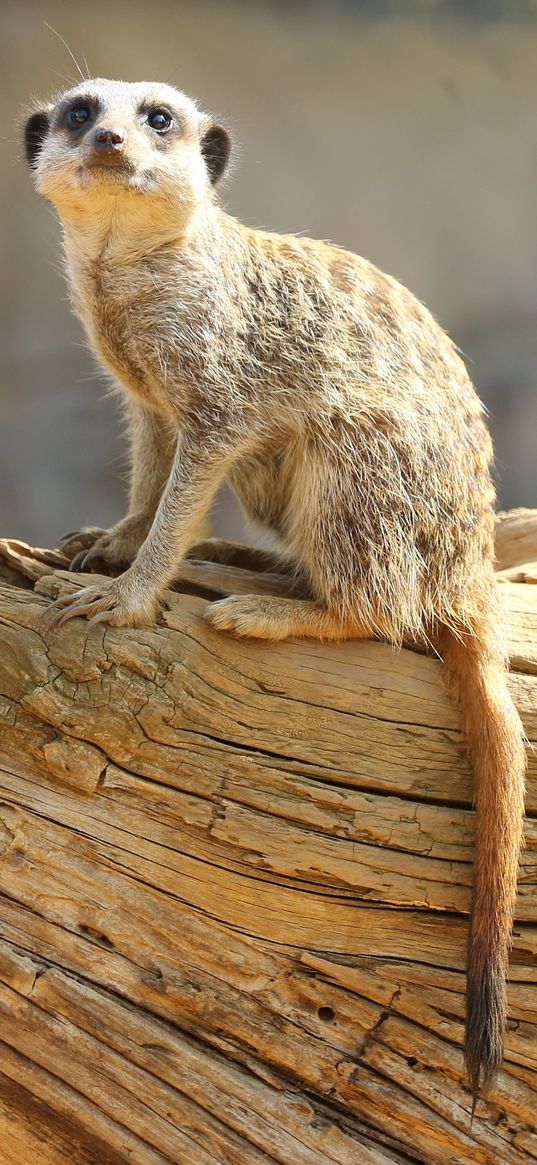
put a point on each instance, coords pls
(338, 410)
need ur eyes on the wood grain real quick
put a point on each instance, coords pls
(234, 883)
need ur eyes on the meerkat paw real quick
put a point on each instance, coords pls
(80, 541)
(106, 551)
(246, 615)
(271, 617)
(112, 601)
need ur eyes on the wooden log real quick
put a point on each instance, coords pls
(235, 879)
(516, 537)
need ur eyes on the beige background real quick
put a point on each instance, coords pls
(412, 141)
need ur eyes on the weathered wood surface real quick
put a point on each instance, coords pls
(234, 886)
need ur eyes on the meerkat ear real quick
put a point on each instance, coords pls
(35, 132)
(215, 148)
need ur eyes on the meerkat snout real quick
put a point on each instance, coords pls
(108, 148)
(109, 141)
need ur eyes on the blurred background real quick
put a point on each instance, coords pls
(404, 131)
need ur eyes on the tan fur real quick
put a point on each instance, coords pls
(340, 413)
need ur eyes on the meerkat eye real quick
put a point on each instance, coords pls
(159, 119)
(78, 116)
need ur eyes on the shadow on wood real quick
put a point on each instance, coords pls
(235, 880)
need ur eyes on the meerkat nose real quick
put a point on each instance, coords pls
(109, 140)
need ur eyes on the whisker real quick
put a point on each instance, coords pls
(64, 43)
(64, 76)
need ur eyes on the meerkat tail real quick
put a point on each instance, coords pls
(477, 674)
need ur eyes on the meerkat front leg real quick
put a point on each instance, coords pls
(133, 599)
(152, 444)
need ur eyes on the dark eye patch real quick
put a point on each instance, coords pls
(162, 119)
(70, 113)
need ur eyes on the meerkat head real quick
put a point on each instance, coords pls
(107, 140)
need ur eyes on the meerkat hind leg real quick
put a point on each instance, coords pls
(237, 554)
(271, 617)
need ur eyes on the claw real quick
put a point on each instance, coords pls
(92, 556)
(76, 610)
(63, 616)
(76, 563)
(66, 600)
(78, 603)
(80, 541)
(54, 616)
(100, 617)
(50, 617)
(81, 561)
